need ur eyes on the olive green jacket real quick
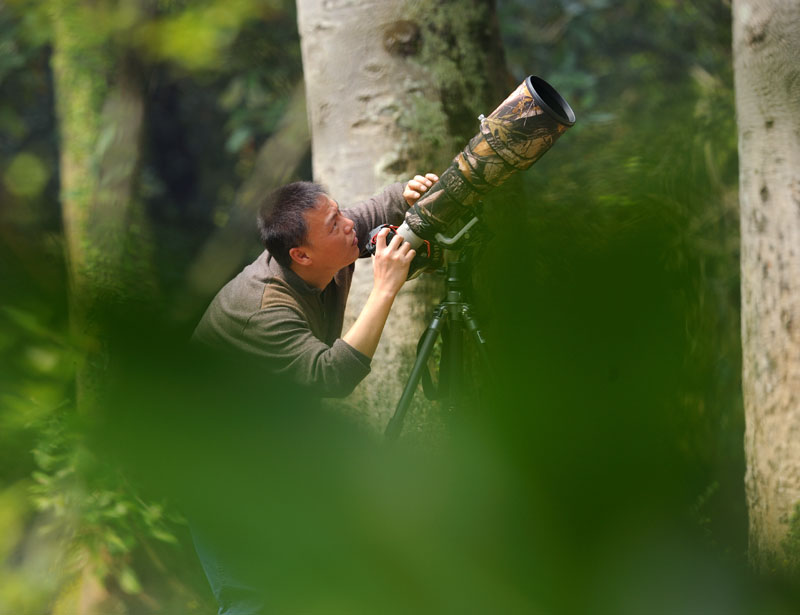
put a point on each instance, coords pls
(270, 314)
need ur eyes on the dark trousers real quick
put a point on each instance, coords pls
(231, 571)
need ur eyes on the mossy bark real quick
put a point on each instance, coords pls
(766, 48)
(395, 89)
(100, 109)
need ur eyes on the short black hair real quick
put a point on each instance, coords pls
(280, 218)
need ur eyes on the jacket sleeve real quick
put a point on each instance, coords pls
(388, 207)
(283, 338)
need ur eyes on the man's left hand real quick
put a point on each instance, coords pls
(418, 186)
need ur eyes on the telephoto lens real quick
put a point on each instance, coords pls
(511, 139)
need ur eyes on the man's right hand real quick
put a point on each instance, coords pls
(391, 262)
(390, 267)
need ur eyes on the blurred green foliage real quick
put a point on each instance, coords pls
(648, 174)
(219, 75)
(605, 471)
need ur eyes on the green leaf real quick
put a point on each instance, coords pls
(128, 581)
(239, 137)
(115, 543)
(164, 536)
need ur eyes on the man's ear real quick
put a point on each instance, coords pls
(299, 255)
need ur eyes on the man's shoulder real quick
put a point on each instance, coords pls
(266, 282)
(278, 293)
(237, 301)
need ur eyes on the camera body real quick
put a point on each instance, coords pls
(428, 255)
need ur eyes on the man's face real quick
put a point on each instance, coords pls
(331, 241)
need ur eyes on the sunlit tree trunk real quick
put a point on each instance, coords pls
(394, 89)
(100, 108)
(766, 51)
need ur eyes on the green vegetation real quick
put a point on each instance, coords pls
(606, 472)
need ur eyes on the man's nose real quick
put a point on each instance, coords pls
(348, 225)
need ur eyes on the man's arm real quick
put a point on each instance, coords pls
(390, 269)
(282, 338)
(387, 207)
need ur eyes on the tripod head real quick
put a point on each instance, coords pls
(433, 255)
(466, 242)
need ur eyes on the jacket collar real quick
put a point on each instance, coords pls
(290, 277)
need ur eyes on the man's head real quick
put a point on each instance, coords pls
(301, 225)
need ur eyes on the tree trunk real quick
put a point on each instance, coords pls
(100, 108)
(766, 40)
(394, 89)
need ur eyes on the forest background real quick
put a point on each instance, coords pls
(605, 473)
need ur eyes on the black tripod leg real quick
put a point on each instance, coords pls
(430, 389)
(480, 342)
(424, 351)
(451, 371)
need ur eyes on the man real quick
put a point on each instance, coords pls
(286, 309)
(281, 321)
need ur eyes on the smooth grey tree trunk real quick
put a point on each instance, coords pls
(766, 44)
(394, 88)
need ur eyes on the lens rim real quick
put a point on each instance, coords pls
(548, 98)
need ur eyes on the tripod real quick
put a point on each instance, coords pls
(452, 319)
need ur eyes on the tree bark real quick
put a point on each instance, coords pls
(394, 89)
(100, 109)
(766, 40)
